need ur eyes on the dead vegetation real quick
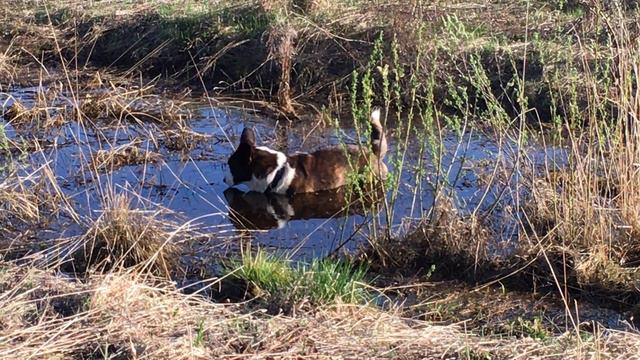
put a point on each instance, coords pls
(18, 201)
(26, 199)
(281, 41)
(183, 139)
(44, 114)
(442, 233)
(123, 155)
(123, 236)
(99, 103)
(116, 104)
(123, 314)
(7, 67)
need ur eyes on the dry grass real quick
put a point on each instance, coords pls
(7, 67)
(590, 209)
(575, 220)
(18, 201)
(101, 102)
(39, 116)
(117, 104)
(590, 214)
(123, 237)
(123, 155)
(27, 198)
(282, 49)
(126, 315)
(183, 139)
(443, 233)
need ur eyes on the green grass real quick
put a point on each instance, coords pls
(533, 328)
(266, 272)
(327, 281)
(200, 333)
(205, 24)
(324, 281)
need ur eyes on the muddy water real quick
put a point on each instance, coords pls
(190, 183)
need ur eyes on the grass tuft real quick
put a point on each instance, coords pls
(444, 236)
(327, 281)
(322, 282)
(123, 237)
(116, 104)
(267, 274)
(123, 155)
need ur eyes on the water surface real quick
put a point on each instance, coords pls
(190, 183)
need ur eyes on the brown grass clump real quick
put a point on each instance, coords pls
(16, 201)
(7, 67)
(45, 113)
(281, 43)
(596, 268)
(125, 237)
(39, 116)
(444, 235)
(183, 138)
(120, 104)
(588, 217)
(282, 48)
(573, 212)
(127, 154)
(447, 230)
(24, 199)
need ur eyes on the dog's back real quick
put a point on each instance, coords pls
(329, 168)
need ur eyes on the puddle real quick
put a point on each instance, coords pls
(190, 183)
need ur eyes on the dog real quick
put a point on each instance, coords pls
(264, 211)
(266, 170)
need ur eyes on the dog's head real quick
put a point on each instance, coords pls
(254, 166)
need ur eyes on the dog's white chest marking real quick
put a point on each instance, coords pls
(261, 183)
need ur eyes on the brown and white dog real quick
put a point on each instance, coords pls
(266, 170)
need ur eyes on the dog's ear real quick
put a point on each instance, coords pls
(248, 137)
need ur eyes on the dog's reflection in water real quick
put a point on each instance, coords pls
(264, 211)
